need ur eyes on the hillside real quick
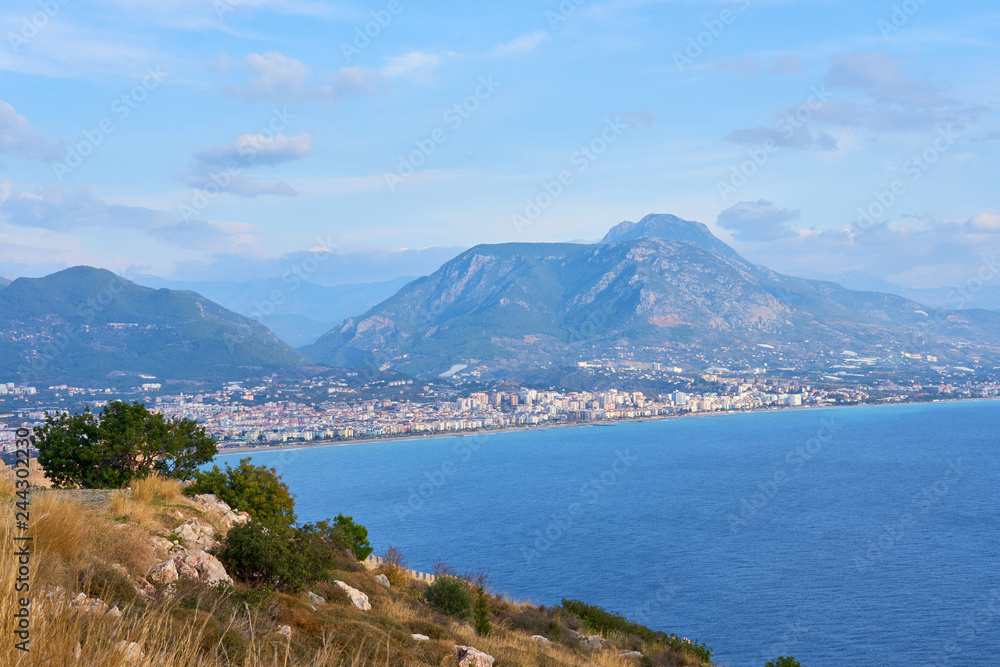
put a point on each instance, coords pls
(304, 311)
(86, 323)
(659, 289)
(128, 577)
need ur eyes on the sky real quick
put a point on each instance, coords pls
(239, 139)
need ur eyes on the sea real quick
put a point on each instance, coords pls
(854, 535)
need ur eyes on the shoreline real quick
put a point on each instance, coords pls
(542, 427)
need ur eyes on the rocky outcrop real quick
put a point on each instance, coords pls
(194, 535)
(196, 565)
(540, 639)
(315, 599)
(359, 599)
(590, 641)
(228, 517)
(471, 657)
(383, 580)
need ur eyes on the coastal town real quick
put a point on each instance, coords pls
(278, 412)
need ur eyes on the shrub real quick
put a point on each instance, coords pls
(449, 595)
(605, 621)
(257, 555)
(395, 567)
(257, 490)
(482, 614)
(783, 662)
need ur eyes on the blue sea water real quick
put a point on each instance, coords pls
(867, 535)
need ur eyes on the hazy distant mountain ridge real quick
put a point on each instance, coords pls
(660, 284)
(88, 323)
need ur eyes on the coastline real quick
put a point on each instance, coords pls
(541, 427)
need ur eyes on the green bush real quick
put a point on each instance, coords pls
(257, 490)
(783, 662)
(601, 620)
(482, 614)
(261, 556)
(450, 595)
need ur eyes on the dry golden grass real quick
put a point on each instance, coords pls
(125, 507)
(61, 525)
(156, 489)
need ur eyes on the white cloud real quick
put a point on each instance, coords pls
(521, 45)
(410, 64)
(987, 221)
(19, 139)
(256, 149)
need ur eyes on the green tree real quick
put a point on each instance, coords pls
(482, 614)
(783, 662)
(354, 536)
(125, 441)
(254, 489)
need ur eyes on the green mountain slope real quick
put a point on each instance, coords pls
(661, 288)
(88, 323)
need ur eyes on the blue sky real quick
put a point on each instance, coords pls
(226, 139)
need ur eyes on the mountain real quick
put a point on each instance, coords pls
(942, 297)
(4, 282)
(86, 323)
(302, 312)
(663, 289)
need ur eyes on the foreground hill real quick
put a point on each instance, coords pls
(90, 323)
(660, 289)
(128, 577)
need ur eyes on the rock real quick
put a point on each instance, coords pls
(359, 599)
(133, 652)
(164, 573)
(312, 597)
(540, 639)
(228, 516)
(115, 611)
(471, 657)
(421, 638)
(630, 654)
(384, 580)
(162, 545)
(285, 630)
(206, 566)
(178, 514)
(590, 641)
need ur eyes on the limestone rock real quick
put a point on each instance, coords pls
(384, 580)
(164, 573)
(359, 599)
(285, 630)
(229, 517)
(471, 657)
(590, 641)
(207, 567)
(133, 651)
(421, 638)
(630, 654)
(317, 599)
(540, 639)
